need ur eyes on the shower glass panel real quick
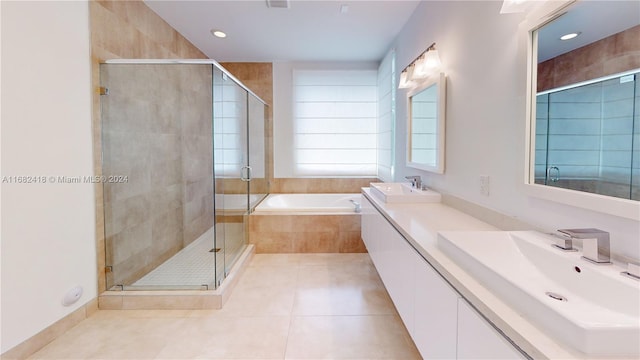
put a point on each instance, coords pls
(177, 135)
(230, 156)
(587, 137)
(259, 187)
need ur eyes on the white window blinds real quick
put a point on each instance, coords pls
(386, 116)
(335, 116)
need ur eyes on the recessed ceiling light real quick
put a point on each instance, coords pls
(218, 33)
(569, 36)
(344, 8)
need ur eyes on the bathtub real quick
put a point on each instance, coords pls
(309, 203)
(306, 223)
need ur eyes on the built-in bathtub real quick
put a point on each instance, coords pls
(307, 223)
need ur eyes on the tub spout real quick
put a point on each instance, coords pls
(358, 207)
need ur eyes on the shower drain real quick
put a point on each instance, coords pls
(556, 296)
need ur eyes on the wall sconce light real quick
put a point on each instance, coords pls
(406, 77)
(420, 68)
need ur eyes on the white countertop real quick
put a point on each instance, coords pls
(420, 224)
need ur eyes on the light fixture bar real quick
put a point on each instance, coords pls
(421, 67)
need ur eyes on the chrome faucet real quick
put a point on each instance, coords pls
(357, 206)
(563, 241)
(416, 181)
(595, 244)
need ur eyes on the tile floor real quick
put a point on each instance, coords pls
(285, 306)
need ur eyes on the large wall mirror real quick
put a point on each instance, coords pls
(426, 128)
(585, 104)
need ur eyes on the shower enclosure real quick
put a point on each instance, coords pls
(588, 136)
(183, 165)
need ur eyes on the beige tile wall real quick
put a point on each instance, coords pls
(616, 53)
(157, 132)
(258, 77)
(306, 233)
(319, 185)
(125, 29)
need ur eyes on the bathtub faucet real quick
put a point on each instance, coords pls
(358, 207)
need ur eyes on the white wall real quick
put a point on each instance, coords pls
(484, 56)
(48, 230)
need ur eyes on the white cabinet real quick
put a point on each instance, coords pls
(425, 302)
(393, 258)
(367, 221)
(479, 340)
(401, 277)
(436, 307)
(440, 322)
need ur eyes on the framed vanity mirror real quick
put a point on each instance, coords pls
(426, 125)
(584, 107)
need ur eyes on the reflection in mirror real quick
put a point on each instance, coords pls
(426, 126)
(587, 123)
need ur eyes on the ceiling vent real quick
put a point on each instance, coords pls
(278, 4)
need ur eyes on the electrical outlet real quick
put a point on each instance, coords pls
(484, 185)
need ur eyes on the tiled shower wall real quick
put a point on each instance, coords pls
(157, 132)
(197, 150)
(125, 29)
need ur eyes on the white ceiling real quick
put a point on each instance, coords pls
(307, 31)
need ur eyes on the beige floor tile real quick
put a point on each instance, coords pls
(268, 277)
(232, 337)
(338, 275)
(133, 314)
(341, 289)
(330, 259)
(343, 301)
(113, 338)
(261, 260)
(349, 337)
(304, 306)
(260, 301)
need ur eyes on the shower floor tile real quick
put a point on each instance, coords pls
(285, 306)
(194, 265)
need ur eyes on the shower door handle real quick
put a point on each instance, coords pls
(248, 173)
(553, 173)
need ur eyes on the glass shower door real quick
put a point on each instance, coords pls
(258, 186)
(230, 170)
(156, 138)
(585, 137)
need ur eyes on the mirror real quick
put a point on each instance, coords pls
(425, 150)
(585, 105)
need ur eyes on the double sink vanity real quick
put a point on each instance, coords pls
(464, 289)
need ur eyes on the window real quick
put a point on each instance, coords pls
(386, 116)
(335, 122)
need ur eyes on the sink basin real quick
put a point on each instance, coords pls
(589, 307)
(403, 193)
